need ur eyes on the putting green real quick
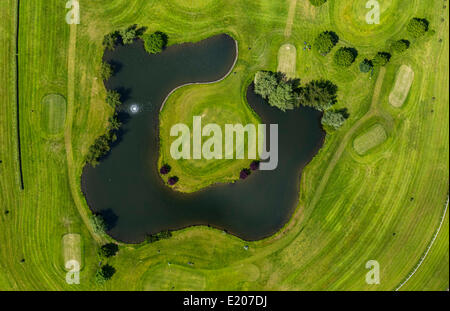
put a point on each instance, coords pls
(71, 244)
(287, 60)
(53, 115)
(373, 137)
(403, 82)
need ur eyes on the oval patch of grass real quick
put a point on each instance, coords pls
(53, 114)
(373, 137)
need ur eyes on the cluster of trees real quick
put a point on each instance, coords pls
(317, 2)
(286, 94)
(166, 234)
(276, 89)
(104, 273)
(123, 36)
(154, 43)
(325, 42)
(101, 145)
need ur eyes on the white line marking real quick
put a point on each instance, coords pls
(428, 249)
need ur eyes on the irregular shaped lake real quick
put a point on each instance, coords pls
(126, 188)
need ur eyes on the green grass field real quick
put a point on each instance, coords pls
(384, 206)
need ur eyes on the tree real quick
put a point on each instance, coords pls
(110, 40)
(109, 249)
(98, 223)
(366, 65)
(265, 83)
(400, 46)
(105, 273)
(155, 42)
(325, 42)
(245, 172)
(106, 71)
(317, 2)
(172, 180)
(283, 97)
(165, 169)
(114, 122)
(334, 119)
(345, 56)
(318, 94)
(113, 98)
(254, 165)
(417, 27)
(381, 59)
(273, 87)
(129, 34)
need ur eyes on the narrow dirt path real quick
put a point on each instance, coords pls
(290, 18)
(68, 131)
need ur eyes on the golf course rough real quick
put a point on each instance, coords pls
(386, 208)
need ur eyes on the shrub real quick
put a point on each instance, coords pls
(326, 41)
(417, 27)
(105, 273)
(381, 59)
(113, 98)
(166, 234)
(334, 119)
(172, 180)
(317, 2)
(345, 56)
(165, 169)
(109, 249)
(155, 42)
(98, 223)
(254, 165)
(366, 65)
(245, 172)
(400, 46)
(106, 71)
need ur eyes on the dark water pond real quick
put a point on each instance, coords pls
(126, 188)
